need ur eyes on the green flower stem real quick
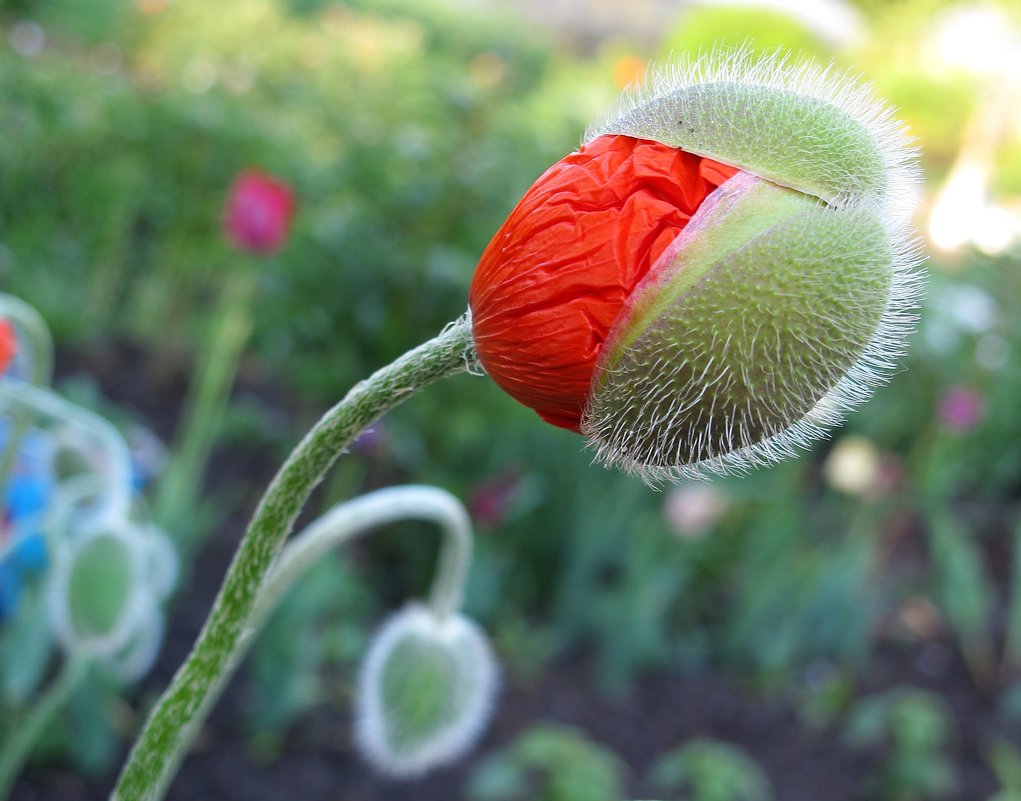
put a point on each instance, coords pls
(207, 401)
(36, 342)
(25, 733)
(353, 519)
(179, 713)
(356, 517)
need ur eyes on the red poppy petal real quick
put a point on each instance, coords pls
(8, 343)
(554, 278)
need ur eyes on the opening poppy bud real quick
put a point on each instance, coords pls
(718, 273)
(425, 692)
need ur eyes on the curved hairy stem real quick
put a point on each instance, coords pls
(357, 517)
(179, 713)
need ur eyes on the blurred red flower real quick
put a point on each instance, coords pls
(556, 275)
(259, 212)
(8, 343)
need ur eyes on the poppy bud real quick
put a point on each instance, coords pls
(259, 212)
(105, 592)
(97, 591)
(721, 269)
(425, 691)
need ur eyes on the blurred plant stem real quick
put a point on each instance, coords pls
(180, 712)
(963, 590)
(208, 397)
(36, 336)
(1012, 646)
(24, 733)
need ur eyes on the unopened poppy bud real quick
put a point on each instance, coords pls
(425, 692)
(96, 591)
(720, 271)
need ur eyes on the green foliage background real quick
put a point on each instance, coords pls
(408, 130)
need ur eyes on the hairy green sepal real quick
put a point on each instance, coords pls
(792, 139)
(766, 301)
(419, 687)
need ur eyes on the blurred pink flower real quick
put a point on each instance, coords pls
(490, 500)
(8, 343)
(259, 212)
(960, 409)
(694, 509)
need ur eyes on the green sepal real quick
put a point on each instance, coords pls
(764, 304)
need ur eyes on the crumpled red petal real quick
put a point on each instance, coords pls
(553, 279)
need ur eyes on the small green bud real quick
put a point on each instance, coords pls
(96, 591)
(425, 692)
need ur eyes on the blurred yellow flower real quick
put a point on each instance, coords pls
(628, 71)
(853, 466)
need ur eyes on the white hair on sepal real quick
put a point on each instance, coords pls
(876, 364)
(651, 417)
(716, 130)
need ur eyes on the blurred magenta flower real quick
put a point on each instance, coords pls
(8, 343)
(960, 409)
(259, 212)
(490, 500)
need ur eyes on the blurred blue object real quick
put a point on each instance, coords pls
(30, 556)
(148, 457)
(10, 589)
(26, 495)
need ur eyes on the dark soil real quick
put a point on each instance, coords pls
(318, 762)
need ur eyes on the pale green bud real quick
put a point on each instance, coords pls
(425, 692)
(97, 591)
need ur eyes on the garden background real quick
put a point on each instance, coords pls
(846, 625)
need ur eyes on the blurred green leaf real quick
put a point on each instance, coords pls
(549, 763)
(711, 771)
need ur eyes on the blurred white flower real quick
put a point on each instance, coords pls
(853, 466)
(693, 509)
